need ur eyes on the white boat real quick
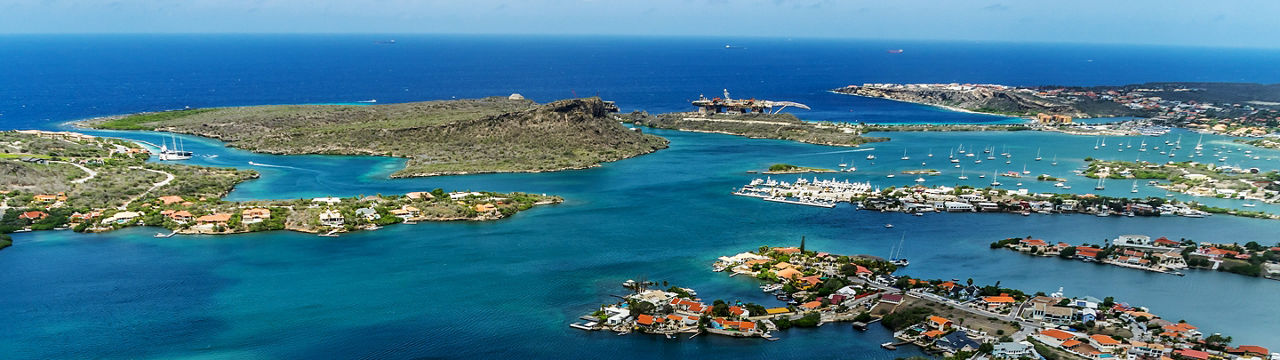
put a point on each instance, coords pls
(994, 181)
(871, 157)
(888, 226)
(1059, 185)
(1037, 154)
(1249, 205)
(1024, 169)
(370, 101)
(962, 177)
(889, 176)
(1055, 160)
(176, 153)
(1135, 187)
(895, 253)
(920, 179)
(1102, 180)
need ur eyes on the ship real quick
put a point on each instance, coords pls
(895, 51)
(176, 153)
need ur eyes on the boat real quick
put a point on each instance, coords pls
(1055, 160)
(930, 153)
(888, 226)
(920, 179)
(1059, 184)
(895, 51)
(895, 253)
(962, 177)
(1037, 154)
(175, 153)
(888, 346)
(1102, 180)
(1249, 205)
(871, 157)
(370, 101)
(904, 155)
(771, 288)
(889, 176)
(1024, 169)
(1135, 187)
(993, 181)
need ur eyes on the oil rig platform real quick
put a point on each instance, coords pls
(743, 106)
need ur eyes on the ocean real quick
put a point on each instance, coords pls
(511, 287)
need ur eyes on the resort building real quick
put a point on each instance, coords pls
(255, 215)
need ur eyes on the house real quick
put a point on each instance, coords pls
(891, 298)
(405, 212)
(932, 334)
(739, 311)
(995, 302)
(420, 195)
(122, 217)
(459, 195)
(33, 216)
(1085, 252)
(180, 217)
(1014, 350)
(1249, 350)
(485, 208)
(777, 311)
(46, 198)
(1053, 337)
(809, 281)
(812, 305)
(789, 273)
(255, 215)
(1104, 343)
(645, 320)
(939, 323)
(787, 250)
(368, 214)
(170, 200)
(615, 315)
(848, 291)
(331, 218)
(1164, 241)
(956, 342)
(1181, 330)
(1148, 350)
(1189, 354)
(214, 219)
(862, 272)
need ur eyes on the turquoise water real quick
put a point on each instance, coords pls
(449, 289)
(509, 288)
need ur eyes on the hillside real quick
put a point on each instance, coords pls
(494, 134)
(756, 125)
(1007, 102)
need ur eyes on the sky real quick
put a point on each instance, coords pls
(1224, 23)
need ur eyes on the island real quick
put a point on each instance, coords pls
(1194, 178)
(955, 318)
(1161, 255)
(1235, 109)
(793, 169)
(445, 137)
(67, 180)
(920, 199)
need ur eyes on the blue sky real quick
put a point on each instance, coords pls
(1173, 22)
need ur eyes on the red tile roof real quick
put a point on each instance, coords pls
(1253, 349)
(1070, 343)
(1057, 334)
(1194, 354)
(998, 299)
(643, 319)
(1103, 339)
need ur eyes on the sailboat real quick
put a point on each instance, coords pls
(953, 158)
(1102, 180)
(1104, 141)
(1037, 154)
(1143, 146)
(1095, 144)
(1055, 160)
(904, 155)
(176, 153)
(994, 178)
(1024, 169)
(930, 152)
(842, 163)
(894, 255)
(1135, 187)
(1199, 145)
(962, 177)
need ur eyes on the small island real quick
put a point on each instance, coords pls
(67, 180)
(780, 126)
(446, 137)
(1194, 178)
(793, 169)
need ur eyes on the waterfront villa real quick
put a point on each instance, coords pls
(368, 213)
(255, 215)
(214, 219)
(331, 218)
(994, 303)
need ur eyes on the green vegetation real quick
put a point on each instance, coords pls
(136, 121)
(904, 318)
(760, 126)
(791, 169)
(438, 137)
(5, 241)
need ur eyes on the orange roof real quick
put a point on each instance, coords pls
(811, 305)
(1103, 339)
(256, 212)
(789, 273)
(1035, 242)
(787, 250)
(1194, 354)
(1253, 349)
(674, 318)
(812, 280)
(214, 218)
(1070, 343)
(933, 333)
(750, 263)
(1057, 334)
(171, 199)
(736, 310)
(948, 285)
(783, 265)
(774, 311)
(182, 213)
(938, 320)
(998, 299)
(643, 319)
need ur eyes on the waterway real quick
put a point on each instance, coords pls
(509, 288)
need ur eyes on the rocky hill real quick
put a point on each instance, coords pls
(495, 134)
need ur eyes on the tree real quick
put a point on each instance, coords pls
(986, 348)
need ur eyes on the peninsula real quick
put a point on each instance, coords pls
(66, 180)
(1236, 109)
(446, 137)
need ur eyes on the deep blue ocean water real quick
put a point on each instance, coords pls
(509, 288)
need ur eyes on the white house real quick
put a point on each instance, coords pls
(331, 218)
(326, 200)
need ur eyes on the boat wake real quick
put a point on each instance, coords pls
(278, 166)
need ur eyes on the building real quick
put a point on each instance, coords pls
(995, 302)
(420, 195)
(170, 200)
(1054, 337)
(1014, 350)
(939, 323)
(326, 200)
(1052, 119)
(742, 106)
(33, 216)
(255, 215)
(956, 342)
(122, 217)
(180, 217)
(369, 214)
(214, 219)
(331, 218)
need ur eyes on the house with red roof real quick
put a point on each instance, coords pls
(1189, 354)
(1086, 252)
(643, 319)
(33, 216)
(1164, 241)
(995, 302)
(1054, 337)
(1104, 343)
(939, 323)
(1253, 350)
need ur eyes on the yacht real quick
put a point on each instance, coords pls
(176, 153)
(1055, 160)
(1102, 180)
(904, 155)
(871, 157)
(994, 181)
(920, 179)
(1038, 155)
(889, 176)
(962, 177)
(1135, 187)
(1024, 169)
(896, 253)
